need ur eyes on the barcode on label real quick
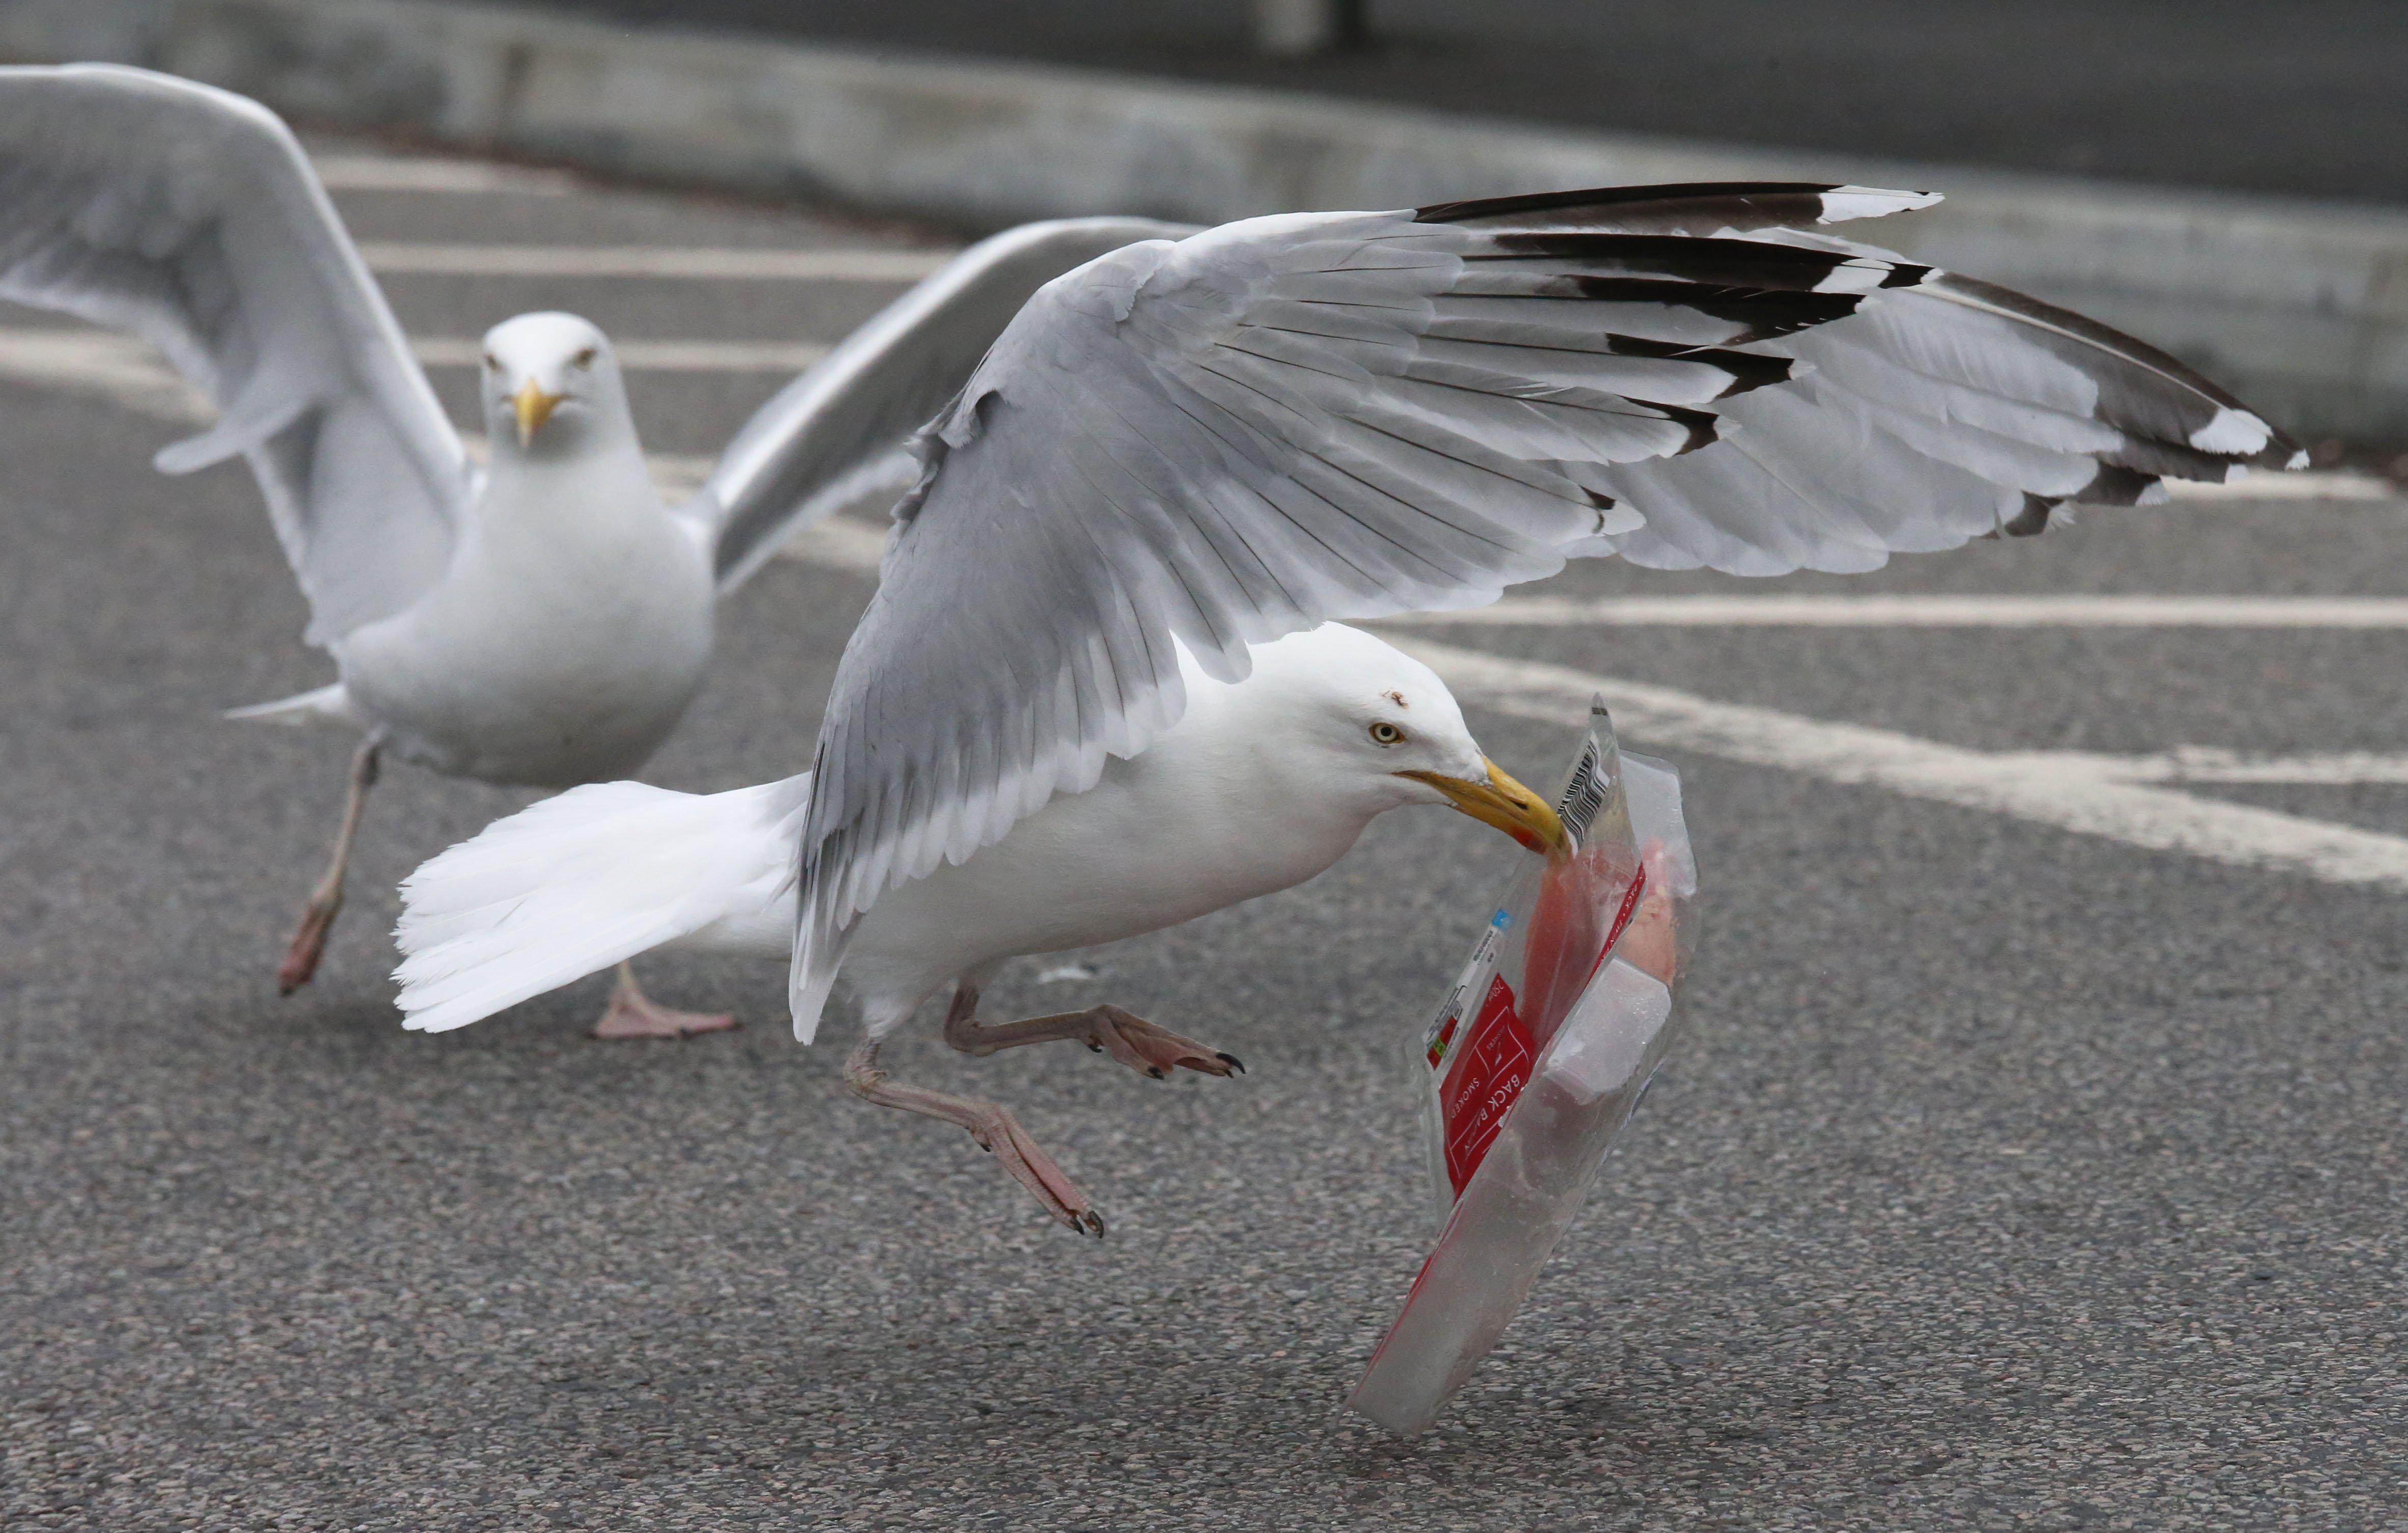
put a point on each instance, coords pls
(1584, 795)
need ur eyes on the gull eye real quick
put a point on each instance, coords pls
(582, 359)
(1384, 733)
(492, 362)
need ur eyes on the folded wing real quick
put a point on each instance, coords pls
(190, 217)
(1320, 416)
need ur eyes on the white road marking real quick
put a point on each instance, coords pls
(786, 265)
(839, 542)
(2306, 484)
(128, 373)
(118, 368)
(2216, 763)
(109, 363)
(654, 356)
(2062, 789)
(412, 173)
(1878, 610)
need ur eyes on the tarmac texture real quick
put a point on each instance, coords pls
(2006, 1177)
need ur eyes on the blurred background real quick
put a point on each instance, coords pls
(2304, 98)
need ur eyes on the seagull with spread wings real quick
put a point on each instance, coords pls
(1100, 688)
(543, 620)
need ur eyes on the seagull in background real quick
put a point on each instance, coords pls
(1102, 687)
(544, 620)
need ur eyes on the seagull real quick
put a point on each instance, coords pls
(1105, 683)
(544, 620)
(1257, 786)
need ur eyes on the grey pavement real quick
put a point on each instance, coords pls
(2006, 1177)
(2257, 96)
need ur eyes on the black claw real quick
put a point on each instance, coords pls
(1231, 1060)
(1093, 1223)
(1154, 1071)
(1095, 1048)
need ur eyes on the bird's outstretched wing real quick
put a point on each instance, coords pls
(795, 459)
(190, 217)
(1320, 416)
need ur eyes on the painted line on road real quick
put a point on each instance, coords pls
(108, 361)
(842, 540)
(118, 368)
(2059, 789)
(652, 356)
(129, 374)
(394, 257)
(1874, 611)
(415, 173)
(2306, 484)
(2216, 764)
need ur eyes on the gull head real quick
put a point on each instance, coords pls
(551, 384)
(1369, 726)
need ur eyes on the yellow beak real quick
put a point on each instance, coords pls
(1504, 803)
(534, 408)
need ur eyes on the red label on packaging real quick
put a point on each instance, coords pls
(1491, 1071)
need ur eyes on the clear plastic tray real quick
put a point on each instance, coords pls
(1542, 1047)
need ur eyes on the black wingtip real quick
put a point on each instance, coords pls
(2031, 521)
(1704, 428)
(2278, 451)
(1762, 314)
(2115, 485)
(1764, 198)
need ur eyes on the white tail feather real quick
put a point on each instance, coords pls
(579, 883)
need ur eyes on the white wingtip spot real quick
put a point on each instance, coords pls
(2232, 431)
(2298, 459)
(1842, 204)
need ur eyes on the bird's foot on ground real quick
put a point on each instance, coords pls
(999, 1132)
(309, 945)
(1153, 1051)
(634, 1015)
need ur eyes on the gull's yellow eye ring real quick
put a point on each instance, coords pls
(1384, 733)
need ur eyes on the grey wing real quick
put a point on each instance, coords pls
(190, 217)
(1313, 417)
(799, 455)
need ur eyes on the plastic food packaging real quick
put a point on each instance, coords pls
(1537, 1055)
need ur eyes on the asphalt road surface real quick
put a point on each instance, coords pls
(2034, 1157)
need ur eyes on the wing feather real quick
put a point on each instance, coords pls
(799, 456)
(1265, 427)
(190, 217)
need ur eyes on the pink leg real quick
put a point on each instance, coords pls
(993, 1127)
(308, 942)
(634, 1015)
(1105, 1029)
